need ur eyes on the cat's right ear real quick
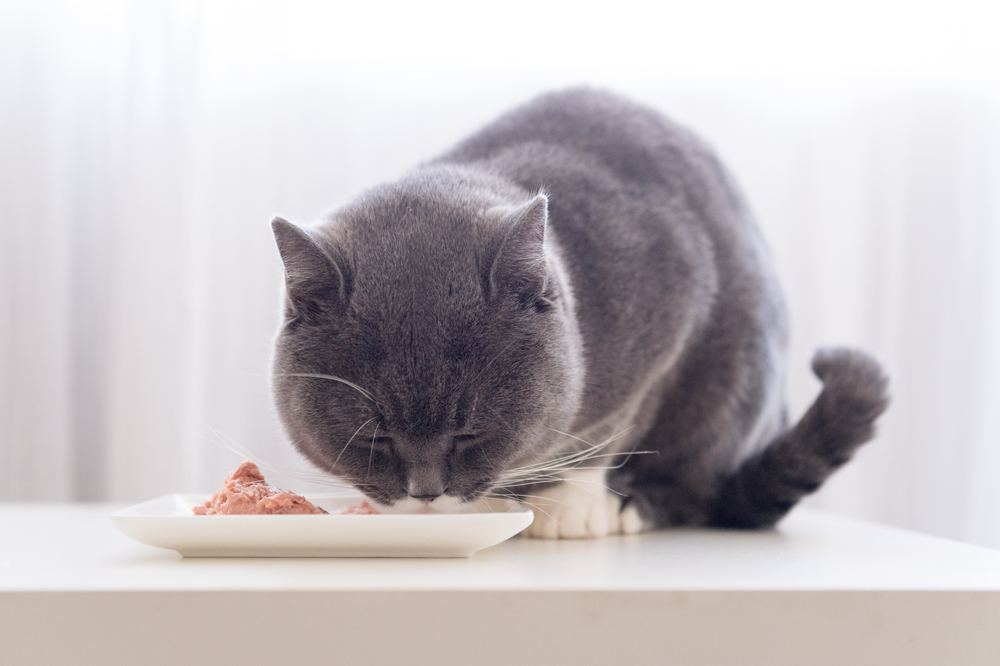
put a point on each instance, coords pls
(519, 264)
(314, 281)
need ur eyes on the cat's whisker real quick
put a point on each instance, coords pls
(615, 455)
(316, 375)
(371, 451)
(547, 465)
(510, 483)
(519, 496)
(613, 437)
(558, 470)
(551, 471)
(571, 436)
(302, 475)
(227, 443)
(532, 505)
(596, 467)
(576, 456)
(532, 476)
(351, 439)
(598, 483)
(557, 480)
(489, 462)
(543, 498)
(577, 465)
(523, 481)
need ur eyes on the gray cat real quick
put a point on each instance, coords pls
(577, 281)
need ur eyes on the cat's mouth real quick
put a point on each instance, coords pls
(442, 504)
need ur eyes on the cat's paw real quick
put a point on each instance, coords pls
(580, 508)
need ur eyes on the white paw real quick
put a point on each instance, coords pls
(581, 507)
(629, 521)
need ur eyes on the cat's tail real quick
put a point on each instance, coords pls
(767, 485)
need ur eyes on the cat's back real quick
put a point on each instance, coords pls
(635, 143)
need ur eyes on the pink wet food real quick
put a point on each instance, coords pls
(362, 508)
(246, 492)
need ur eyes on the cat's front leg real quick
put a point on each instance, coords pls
(580, 507)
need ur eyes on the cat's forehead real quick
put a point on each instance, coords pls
(422, 254)
(443, 205)
(416, 221)
(418, 256)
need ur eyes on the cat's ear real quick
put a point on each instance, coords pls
(519, 265)
(313, 279)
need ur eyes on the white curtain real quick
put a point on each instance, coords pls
(145, 146)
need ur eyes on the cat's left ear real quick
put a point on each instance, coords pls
(519, 264)
(315, 281)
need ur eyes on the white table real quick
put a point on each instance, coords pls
(821, 590)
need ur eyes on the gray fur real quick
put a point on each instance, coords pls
(581, 265)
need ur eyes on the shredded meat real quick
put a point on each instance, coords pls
(362, 508)
(246, 492)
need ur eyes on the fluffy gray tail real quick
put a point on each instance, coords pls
(767, 485)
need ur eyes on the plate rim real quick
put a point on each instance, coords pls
(124, 513)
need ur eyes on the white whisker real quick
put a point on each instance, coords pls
(333, 378)
(575, 465)
(551, 471)
(571, 436)
(572, 458)
(317, 478)
(531, 504)
(542, 498)
(561, 480)
(337, 460)
(371, 451)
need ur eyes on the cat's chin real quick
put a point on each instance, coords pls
(443, 504)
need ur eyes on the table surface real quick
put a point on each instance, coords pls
(74, 547)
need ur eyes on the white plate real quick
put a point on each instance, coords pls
(167, 522)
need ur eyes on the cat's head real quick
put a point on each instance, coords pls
(428, 344)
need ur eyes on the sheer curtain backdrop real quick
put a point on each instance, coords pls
(145, 146)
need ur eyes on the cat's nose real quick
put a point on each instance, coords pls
(426, 484)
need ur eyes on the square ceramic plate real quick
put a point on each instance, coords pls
(167, 522)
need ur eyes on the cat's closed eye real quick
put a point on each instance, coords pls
(465, 441)
(377, 443)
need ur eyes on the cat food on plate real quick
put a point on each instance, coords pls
(246, 492)
(362, 508)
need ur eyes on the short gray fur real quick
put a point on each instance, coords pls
(582, 265)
